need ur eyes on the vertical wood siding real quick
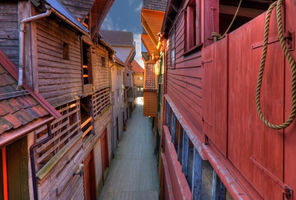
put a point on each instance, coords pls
(9, 30)
(59, 79)
(184, 81)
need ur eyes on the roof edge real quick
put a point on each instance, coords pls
(12, 70)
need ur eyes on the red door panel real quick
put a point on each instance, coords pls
(215, 97)
(257, 151)
(89, 177)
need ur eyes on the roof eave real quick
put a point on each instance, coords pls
(102, 17)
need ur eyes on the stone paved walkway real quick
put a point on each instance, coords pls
(133, 173)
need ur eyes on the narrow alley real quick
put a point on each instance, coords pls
(133, 172)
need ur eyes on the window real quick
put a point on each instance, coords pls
(86, 67)
(173, 49)
(103, 59)
(192, 25)
(65, 51)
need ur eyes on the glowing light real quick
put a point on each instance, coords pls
(139, 101)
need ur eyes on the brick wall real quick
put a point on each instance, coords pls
(155, 4)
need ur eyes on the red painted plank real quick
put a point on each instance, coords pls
(250, 141)
(215, 94)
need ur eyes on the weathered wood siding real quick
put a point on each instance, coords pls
(101, 74)
(59, 80)
(9, 30)
(60, 182)
(184, 80)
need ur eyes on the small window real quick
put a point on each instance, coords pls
(65, 51)
(103, 59)
(192, 25)
(173, 50)
(127, 74)
(86, 67)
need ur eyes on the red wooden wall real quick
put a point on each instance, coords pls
(214, 91)
(184, 80)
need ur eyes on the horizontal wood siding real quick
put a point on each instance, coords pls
(9, 30)
(184, 80)
(101, 74)
(59, 79)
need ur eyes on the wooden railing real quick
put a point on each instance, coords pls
(101, 101)
(63, 131)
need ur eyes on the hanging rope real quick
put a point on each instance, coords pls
(217, 36)
(278, 5)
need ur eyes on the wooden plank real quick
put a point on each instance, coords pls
(173, 128)
(87, 131)
(86, 122)
(168, 110)
(196, 176)
(185, 152)
(218, 189)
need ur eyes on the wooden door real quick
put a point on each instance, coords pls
(89, 177)
(104, 145)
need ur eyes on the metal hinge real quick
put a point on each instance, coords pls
(288, 193)
(290, 40)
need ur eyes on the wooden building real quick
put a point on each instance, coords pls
(22, 111)
(152, 15)
(138, 78)
(214, 143)
(117, 76)
(123, 44)
(62, 59)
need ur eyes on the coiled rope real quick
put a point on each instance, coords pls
(217, 36)
(278, 5)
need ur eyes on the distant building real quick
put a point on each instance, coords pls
(152, 16)
(123, 44)
(118, 105)
(138, 78)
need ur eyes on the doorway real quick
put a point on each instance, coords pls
(105, 154)
(89, 177)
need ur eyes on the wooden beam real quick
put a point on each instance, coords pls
(243, 12)
(218, 188)
(86, 122)
(196, 176)
(149, 31)
(173, 128)
(185, 154)
(168, 109)
(87, 131)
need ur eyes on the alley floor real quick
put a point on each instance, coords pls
(133, 172)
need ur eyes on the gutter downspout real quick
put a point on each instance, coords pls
(22, 43)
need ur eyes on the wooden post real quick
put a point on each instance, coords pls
(4, 168)
(196, 176)
(218, 188)
(173, 128)
(185, 154)
(168, 115)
